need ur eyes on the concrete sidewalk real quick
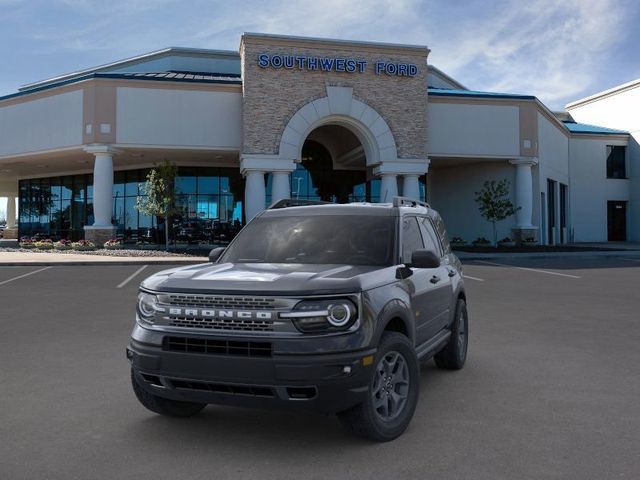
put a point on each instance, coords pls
(44, 259)
(466, 256)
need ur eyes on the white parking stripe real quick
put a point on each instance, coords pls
(131, 277)
(473, 278)
(25, 275)
(529, 269)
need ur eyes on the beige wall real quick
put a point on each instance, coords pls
(271, 96)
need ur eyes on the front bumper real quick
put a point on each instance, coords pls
(325, 383)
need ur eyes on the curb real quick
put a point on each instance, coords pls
(93, 263)
(555, 255)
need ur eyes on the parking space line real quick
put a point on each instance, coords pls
(473, 278)
(131, 277)
(24, 275)
(528, 269)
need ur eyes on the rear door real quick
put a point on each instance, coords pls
(441, 294)
(420, 282)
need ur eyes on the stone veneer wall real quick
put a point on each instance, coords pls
(271, 96)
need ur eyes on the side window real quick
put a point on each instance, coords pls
(442, 233)
(430, 238)
(411, 238)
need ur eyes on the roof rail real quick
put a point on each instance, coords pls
(294, 202)
(408, 202)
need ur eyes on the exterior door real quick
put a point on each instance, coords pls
(551, 212)
(617, 221)
(421, 283)
(442, 293)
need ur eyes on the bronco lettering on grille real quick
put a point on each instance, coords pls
(209, 313)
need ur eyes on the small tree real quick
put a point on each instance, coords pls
(494, 204)
(159, 194)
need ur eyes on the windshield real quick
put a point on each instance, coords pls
(318, 239)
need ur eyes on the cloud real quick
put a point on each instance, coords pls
(558, 51)
(546, 48)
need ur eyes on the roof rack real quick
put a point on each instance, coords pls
(409, 202)
(294, 202)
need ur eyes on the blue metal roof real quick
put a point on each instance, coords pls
(575, 127)
(450, 92)
(225, 78)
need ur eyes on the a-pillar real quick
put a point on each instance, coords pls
(524, 227)
(102, 228)
(254, 193)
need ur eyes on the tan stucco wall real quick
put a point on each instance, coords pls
(272, 96)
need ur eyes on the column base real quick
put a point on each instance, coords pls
(10, 233)
(99, 235)
(525, 234)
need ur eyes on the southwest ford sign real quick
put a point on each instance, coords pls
(329, 64)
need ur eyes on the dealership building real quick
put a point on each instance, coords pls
(307, 118)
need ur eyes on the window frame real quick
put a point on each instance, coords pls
(608, 151)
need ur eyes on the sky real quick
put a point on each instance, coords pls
(557, 50)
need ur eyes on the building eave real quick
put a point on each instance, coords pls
(130, 61)
(604, 94)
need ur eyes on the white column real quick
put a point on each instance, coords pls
(280, 188)
(411, 187)
(254, 193)
(524, 191)
(388, 187)
(11, 211)
(103, 189)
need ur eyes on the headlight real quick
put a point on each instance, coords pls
(147, 306)
(323, 315)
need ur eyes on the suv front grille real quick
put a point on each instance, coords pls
(222, 324)
(217, 347)
(221, 301)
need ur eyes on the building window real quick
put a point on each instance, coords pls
(209, 204)
(616, 161)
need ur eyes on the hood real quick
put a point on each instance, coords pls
(270, 278)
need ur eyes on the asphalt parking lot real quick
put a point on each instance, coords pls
(551, 388)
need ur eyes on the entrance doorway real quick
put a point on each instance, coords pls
(333, 168)
(617, 221)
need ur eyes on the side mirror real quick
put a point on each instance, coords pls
(214, 254)
(424, 259)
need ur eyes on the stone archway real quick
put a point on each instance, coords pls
(340, 108)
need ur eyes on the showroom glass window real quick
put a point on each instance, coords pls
(616, 161)
(209, 204)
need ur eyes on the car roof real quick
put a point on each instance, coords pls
(299, 208)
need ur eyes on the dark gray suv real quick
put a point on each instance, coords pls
(322, 307)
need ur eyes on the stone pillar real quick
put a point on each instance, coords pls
(411, 186)
(102, 228)
(254, 193)
(388, 187)
(11, 232)
(524, 198)
(280, 187)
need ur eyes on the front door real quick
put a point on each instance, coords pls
(617, 221)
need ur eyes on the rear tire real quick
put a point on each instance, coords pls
(454, 354)
(392, 395)
(164, 406)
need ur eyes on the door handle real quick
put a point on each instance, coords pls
(452, 273)
(435, 279)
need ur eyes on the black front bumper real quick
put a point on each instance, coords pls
(325, 383)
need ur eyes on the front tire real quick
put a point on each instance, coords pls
(164, 406)
(392, 395)
(454, 354)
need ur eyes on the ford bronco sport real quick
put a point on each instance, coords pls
(320, 307)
